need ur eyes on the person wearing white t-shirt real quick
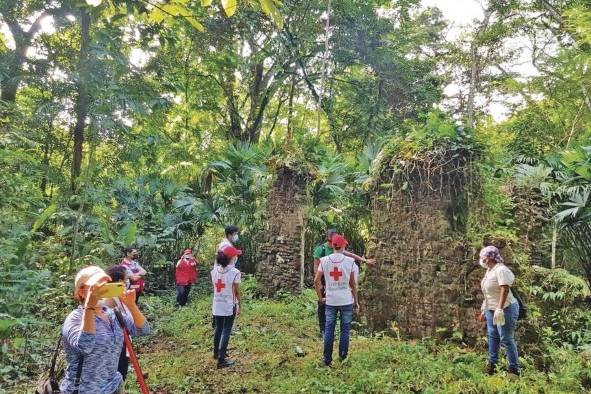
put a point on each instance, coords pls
(226, 301)
(500, 309)
(340, 296)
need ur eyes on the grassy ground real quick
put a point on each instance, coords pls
(178, 357)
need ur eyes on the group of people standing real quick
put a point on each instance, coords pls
(97, 360)
(336, 278)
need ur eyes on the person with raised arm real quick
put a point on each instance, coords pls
(93, 338)
(326, 249)
(339, 298)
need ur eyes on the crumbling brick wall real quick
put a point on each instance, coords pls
(424, 284)
(282, 243)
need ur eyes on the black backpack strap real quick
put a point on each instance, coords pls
(56, 352)
(79, 373)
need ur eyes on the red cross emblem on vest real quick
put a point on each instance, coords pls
(336, 274)
(219, 285)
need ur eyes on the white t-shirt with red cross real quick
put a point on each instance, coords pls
(337, 269)
(223, 293)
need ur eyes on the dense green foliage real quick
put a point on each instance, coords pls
(156, 123)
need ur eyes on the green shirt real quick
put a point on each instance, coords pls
(322, 250)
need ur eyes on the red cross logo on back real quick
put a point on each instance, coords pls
(219, 285)
(336, 274)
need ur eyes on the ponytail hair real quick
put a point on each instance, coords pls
(222, 259)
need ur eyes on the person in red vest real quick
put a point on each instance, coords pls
(185, 276)
(340, 296)
(135, 272)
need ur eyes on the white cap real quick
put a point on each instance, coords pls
(89, 276)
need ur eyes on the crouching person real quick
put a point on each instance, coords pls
(93, 338)
(226, 301)
(341, 296)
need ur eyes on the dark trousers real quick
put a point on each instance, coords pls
(123, 366)
(182, 294)
(221, 335)
(321, 317)
(346, 314)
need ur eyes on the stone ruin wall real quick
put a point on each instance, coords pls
(282, 241)
(425, 283)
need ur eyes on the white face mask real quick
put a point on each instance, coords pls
(235, 238)
(483, 264)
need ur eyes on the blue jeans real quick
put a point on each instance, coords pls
(504, 334)
(221, 335)
(346, 313)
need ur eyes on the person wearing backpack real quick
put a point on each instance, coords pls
(340, 296)
(323, 250)
(500, 309)
(93, 338)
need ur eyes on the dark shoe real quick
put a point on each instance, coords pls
(490, 369)
(514, 371)
(225, 363)
(327, 364)
(216, 356)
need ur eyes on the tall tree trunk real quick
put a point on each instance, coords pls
(15, 63)
(476, 67)
(46, 155)
(22, 41)
(290, 110)
(82, 99)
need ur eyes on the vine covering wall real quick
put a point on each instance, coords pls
(424, 283)
(280, 266)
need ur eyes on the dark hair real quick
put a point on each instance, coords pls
(222, 259)
(128, 250)
(117, 273)
(231, 229)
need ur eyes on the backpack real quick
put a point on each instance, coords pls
(522, 307)
(49, 384)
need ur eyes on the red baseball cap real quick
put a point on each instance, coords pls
(338, 241)
(231, 251)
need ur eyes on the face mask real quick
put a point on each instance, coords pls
(235, 238)
(483, 264)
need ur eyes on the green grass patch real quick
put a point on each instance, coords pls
(178, 357)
